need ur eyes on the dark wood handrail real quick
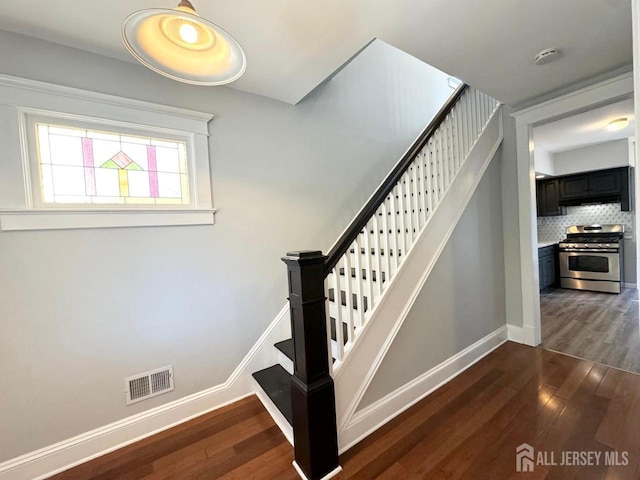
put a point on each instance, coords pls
(351, 233)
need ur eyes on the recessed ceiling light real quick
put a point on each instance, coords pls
(547, 55)
(540, 176)
(618, 124)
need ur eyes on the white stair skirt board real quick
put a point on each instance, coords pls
(359, 367)
(329, 475)
(277, 416)
(61, 456)
(515, 333)
(366, 421)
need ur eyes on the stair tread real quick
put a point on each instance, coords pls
(286, 347)
(276, 383)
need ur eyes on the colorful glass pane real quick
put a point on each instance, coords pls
(85, 166)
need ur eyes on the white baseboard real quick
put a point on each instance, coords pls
(329, 475)
(630, 285)
(63, 455)
(525, 335)
(529, 336)
(369, 419)
(515, 334)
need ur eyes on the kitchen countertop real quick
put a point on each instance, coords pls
(546, 244)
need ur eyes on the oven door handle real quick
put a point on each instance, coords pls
(589, 250)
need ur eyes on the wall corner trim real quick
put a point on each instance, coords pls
(515, 333)
(369, 419)
(61, 456)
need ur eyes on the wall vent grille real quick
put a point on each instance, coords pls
(149, 384)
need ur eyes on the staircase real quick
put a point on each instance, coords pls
(371, 273)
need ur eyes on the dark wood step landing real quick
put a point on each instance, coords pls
(286, 347)
(276, 383)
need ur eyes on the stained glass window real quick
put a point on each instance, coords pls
(85, 166)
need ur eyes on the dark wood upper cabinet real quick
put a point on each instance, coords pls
(549, 198)
(602, 186)
(608, 182)
(575, 186)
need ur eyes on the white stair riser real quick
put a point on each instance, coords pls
(285, 362)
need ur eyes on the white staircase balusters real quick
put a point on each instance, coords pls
(360, 278)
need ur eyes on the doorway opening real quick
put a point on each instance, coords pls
(565, 143)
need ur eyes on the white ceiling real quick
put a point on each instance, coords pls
(584, 129)
(292, 46)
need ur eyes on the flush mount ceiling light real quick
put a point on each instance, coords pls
(618, 124)
(181, 45)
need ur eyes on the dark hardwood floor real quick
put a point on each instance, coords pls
(467, 429)
(600, 327)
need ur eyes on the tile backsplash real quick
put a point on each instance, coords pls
(551, 229)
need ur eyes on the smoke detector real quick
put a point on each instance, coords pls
(547, 55)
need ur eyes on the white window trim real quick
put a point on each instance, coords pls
(29, 118)
(21, 98)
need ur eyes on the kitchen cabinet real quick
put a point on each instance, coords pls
(607, 182)
(574, 186)
(601, 186)
(548, 267)
(548, 198)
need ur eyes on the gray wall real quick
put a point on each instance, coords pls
(593, 157)
(79, 315)
(543, 161)
(462, 300)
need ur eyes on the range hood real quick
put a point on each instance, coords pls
(590, 200)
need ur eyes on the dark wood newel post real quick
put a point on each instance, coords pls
(312, 390)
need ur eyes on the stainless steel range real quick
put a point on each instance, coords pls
(591, 258)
